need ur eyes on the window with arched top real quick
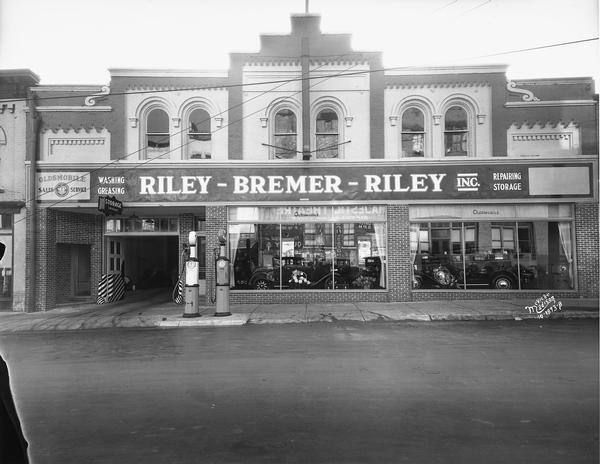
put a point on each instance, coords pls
(285, 135)
(456, 132)
(157, 133)
(199, 143)
(327, 134)
(413, 133)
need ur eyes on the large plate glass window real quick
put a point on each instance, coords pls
(501, 255)
(310, 248)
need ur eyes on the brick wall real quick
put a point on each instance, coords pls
(56, 229)
(63, 268)
(399, 263)
(586, 235)
(216, 220)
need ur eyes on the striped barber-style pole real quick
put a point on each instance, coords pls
(179, 299)
(111, 288)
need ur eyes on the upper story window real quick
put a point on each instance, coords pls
(285, 135)
(327, 134)
(456, 132)
(413, 133)
(199, 143)
(157, 133)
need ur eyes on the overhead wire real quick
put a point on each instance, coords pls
(144, 162)
(278, 81)
(185, 129)
(283, 82)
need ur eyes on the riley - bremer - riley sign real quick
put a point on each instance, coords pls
(377, 183)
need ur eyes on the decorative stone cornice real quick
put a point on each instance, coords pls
(75, 130)
(273, 62)
(539, 125)
(525, 104)
(63, 109)
(141, 88)
(430, 85)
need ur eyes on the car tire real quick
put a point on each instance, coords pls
(503, 282)
(262, 284)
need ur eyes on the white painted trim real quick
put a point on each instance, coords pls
(483, 69)
(72, 108)
(67, 88)
(523, 104)
(129, 72)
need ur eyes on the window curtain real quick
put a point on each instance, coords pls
(380, 239)
(234, 239)
(414, 242)
(564, 230)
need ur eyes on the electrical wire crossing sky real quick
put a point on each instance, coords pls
(82, 40)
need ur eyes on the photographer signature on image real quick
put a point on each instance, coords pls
(544, 306)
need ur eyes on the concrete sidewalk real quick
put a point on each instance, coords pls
(153, 310)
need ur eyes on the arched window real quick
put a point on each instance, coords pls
(327, 134)
(413, 133)
(199, 143)
(285, 135)
(456, 132)
(157, 132)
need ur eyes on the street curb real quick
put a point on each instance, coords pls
(203, 321)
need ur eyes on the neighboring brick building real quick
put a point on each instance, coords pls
(335, 180)
(14, 121)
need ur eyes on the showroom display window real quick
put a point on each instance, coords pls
(308, 248)
(522, 247)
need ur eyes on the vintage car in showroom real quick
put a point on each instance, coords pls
(299, 274)
(496, 271)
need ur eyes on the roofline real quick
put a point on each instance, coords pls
(133, 72)
(19, 73)
(469, 69)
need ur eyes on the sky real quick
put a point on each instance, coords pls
(76, 41)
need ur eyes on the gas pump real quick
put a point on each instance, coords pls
(222, 279)
(192, 267)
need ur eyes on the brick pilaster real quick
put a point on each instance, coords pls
(586, 234)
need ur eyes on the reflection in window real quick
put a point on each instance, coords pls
(413, 133)
(311, 256)
(498, 255)
(285, 135)
(327, 136)
(157, 132)
(145, 224)
(199, 144)
(456, 132)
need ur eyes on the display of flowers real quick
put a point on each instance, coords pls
(299, 278)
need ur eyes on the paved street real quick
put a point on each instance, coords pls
(342, 392)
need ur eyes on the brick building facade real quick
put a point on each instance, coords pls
(335, 180)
